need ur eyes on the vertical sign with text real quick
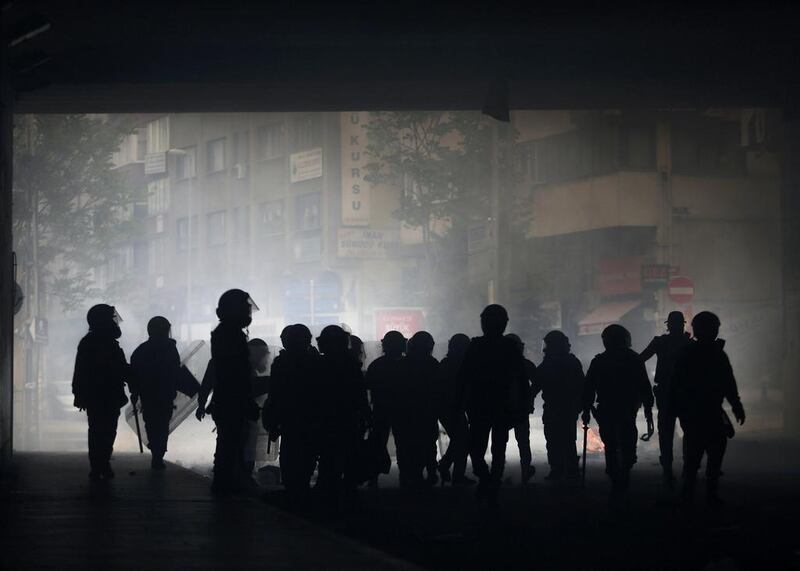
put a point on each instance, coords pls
(355, 190)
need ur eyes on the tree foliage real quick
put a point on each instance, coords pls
(63, 169)
(440, 164)
(438, 160)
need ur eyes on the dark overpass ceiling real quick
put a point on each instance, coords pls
(111, 56)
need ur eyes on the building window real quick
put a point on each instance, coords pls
(240, 224)
(308, 247)
(303, 132)
(240, 153)
(216, 155)
(185, 163)
(132, 149)
(271, 217)
(216, 228)
(158, 196)
(158, 135)
(157, 257)
(270, 141)
(186, 235)
(307, 210)
(240, 148)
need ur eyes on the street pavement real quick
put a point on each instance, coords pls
(53, 518)
(546, 526)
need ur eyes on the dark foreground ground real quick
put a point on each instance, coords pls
(51, 517)
(547, 526)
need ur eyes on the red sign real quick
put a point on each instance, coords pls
(681, 289)
(406, 320)
(618, 276)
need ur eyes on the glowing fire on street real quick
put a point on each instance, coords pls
(594, 444)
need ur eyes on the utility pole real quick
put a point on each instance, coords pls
(311, 307)
(494, 278)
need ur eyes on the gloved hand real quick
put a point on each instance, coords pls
(648, 414)
(200, 412)
(738, 412)
(79, 404)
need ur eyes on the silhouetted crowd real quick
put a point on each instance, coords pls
(326, 416)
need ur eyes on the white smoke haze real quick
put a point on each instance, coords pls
(571, 219)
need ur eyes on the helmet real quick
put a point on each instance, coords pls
(236, 306)
(517, 341)
(615, 336)
(457, 345)
(257, 342)
(104, 317)
(296, 337)
(393, 342)
(421, 343)
(705, 326)
(556, 341)
(675, 320)
(158, 327)
(101, 315)
(494, 319)
(332, 339)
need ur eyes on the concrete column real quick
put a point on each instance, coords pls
(790, 211)
(6, 272)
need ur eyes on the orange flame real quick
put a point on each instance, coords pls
(594, 443)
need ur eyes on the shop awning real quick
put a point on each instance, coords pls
(605, 315)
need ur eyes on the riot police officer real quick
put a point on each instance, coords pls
(666, 348)
(156, 366)
(618, 382)
(702, 380)
(98, 385)
(232, 402)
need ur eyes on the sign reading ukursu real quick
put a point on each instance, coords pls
(355, 190)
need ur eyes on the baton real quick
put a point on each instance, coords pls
(138, 430)
(585, 442)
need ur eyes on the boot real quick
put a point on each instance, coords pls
(157, 462)
(527, 471)
(444, 474)
(712, 499)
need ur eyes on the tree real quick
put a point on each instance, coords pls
(70, 201)
(440, 162)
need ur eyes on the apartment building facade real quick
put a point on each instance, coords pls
(273, 203)
(634, 214)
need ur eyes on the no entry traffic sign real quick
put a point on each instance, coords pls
(681, 289)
